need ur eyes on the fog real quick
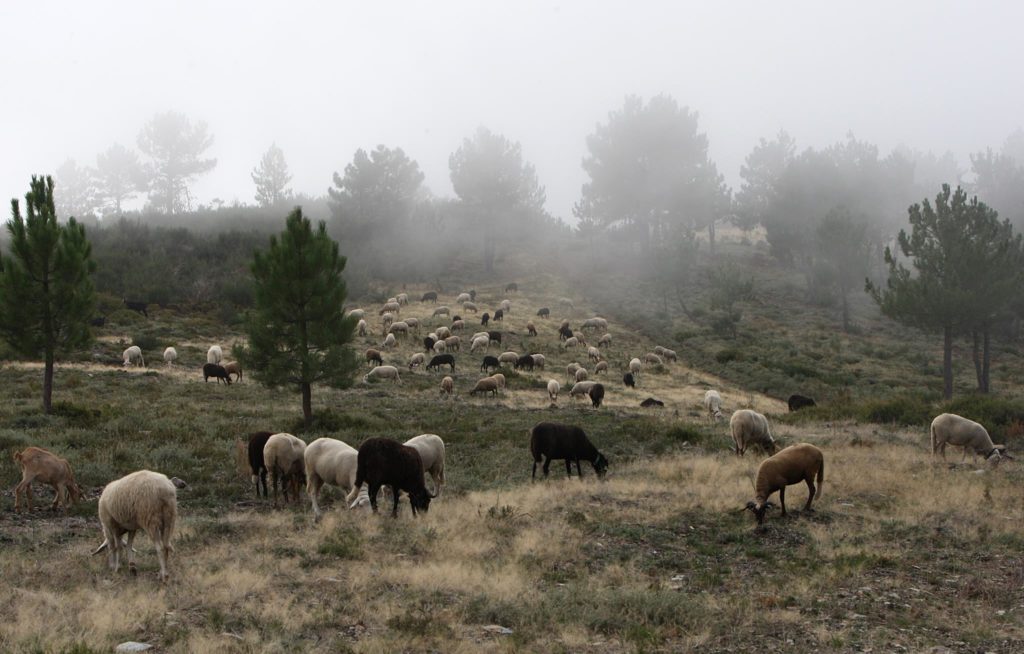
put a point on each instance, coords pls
(321, 81)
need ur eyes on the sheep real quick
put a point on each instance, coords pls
(564, 332)
(400, 327)
(525, 361)
(596, 394)
(512, 288)
(594, 323)
(629, 380)
(373, 357)
(428, 343)
(403, 298)
(141, 500)
(653, 359)
(429, 296)
(797, 402)
(634, 366)
(670, 355)
(581, 374)
(170, 356)
(498, 315)
(137, 307)
(581, 388)
(45, 467)
(508, 357)
(233, 368)
(443, 332)
(484, 319)
(553, 388)
(593, 354)
(651, 402)
(217, 372)
(713, 404)
(214, 354)
(414, 324)
(283, 457)
(485, 385)
(386, 320)
(951, 429)
(500, 378)
(506, 307)
(572, 341)
(257, 465)
(750, 428)
(390, 307)
(566, 303)
(470, 306)
(431, 449)
(580, 338)
(447, 386)
(531, 329)
(570, 370)
(602, 366)
(462, 297)
(358, 314)
(605, 340)
(482, 334)
(479, 342)
(543, 312)
(329, 461)
(440, 346)
(490, 362)
(442, 311)
(417, 359)
(442, 360)
(538, 361)
(472, 295)
(391, 300)
(796, 463)
(659, 350)
(453, 343)
(132, 355)
(382, 372)
(550, 440)
(389, 341)
(381, 462)
(361, 327)
(494, 337)
(458, 325)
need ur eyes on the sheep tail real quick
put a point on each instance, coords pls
(821, 479)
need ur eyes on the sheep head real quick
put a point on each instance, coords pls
(601, 465)
(759, 509)
(420, 500)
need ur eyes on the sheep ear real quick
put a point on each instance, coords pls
(749, 507)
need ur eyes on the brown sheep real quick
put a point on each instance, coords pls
(45, 467)
(795, 464)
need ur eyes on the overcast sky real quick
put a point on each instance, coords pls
(323, 79)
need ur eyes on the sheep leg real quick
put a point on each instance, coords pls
(394, 509)
(533, 475)
(374, 489)
(113, 548)
(58, 494)
(579, 472)
(810, 493)
(130, 551)
(313, 490)
(547, 466)
(21, 489)
(273, 482)
(568, 467)
(161, 555)
(782, 500)
(28, 489)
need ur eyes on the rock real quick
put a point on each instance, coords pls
(497, 629)
(132, 646)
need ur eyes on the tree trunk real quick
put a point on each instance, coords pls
(48, 382)
(986, 358)
(711, 236)
(976, 357)
(307, 404)
(947, 362)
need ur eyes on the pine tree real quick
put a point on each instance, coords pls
(297, 331)
(271, 178)
(46, 293)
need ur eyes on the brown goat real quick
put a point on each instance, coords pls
(45, 467)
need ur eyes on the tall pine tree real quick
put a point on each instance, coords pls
(46, 294)
(297, 331)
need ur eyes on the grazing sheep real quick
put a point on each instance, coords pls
(429, 296)
(361, 327)
(283, 457)
(443, 332)
(951, 429)
(458, 325)
(403, 298)
(538, 361)
(602, 366)
(650, 403)
(484, 319)
(45, 467)
(495, 337)
(417, 359)
(428, 344)
(472, 295)
(713, 404)
(390, 307)
(512, 288)
(581, 388)
(400, 327)
(566, 303)
(670, 355)
(653, 359)
(461, 298)
(392, 300)
(440, 346)
(442, 311)
(442, 360)
(479, 342)
(233, 368)
(328, 461)
(508, 357)
(447, 386)
(414, 324)
(358, 314)
(257, 466)
(490, 363)
(431, 449)
(384, 462)
(596, 394)
(214, 354)
(453, 343)
(144, 500)
(506, 307)
(605, 340)
(524, 362)
(797, 402)
(796, 463)
(572, 341)
(593, 354)
(570, 370)
(543, 312)
(553, 389)
(750, 428)
(500, 378)
(634, 366)
(498, 315)
(470, 306)
(170, 356)
(595, 324)
(382, 372)
(629, 380)
(386, 320)
(217, 372)
(137, 307)
(659, 350)
(485, 385)
(580, 337)
(482, 335)
(389, 341)
(581, 374)
(564, 332)
(550, 441)
(373, 357)
(133, 355)
(531, 329)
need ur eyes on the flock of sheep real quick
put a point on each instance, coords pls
(147, 500)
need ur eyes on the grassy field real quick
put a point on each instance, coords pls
(902, 554)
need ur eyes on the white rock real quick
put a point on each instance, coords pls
(132, 646)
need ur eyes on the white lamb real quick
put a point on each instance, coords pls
(361, 327)
(330, 461)
(713, 404)
(462, 298)
(750, 428)
(479, 342)
(417, 359)
(133, 355)
(170, 356)
(141, 500)
(283, 458)
(951, 429)
(389, 341)
(508, 357)
(634, 366)
(553, 388)
(214, 354)
(382, 372)
(431, 449)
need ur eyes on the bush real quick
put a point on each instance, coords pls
(728, 354)
(906, 410)
(146, 340)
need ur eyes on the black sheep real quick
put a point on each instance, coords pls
(429, 296)
(525, 361)
(138, 307)
(441, 360)
(384, 462)
(494, 337)
(596, 394)
(456, 318)
(257, 441)
(797, 402)
(564, 332)
(628, 380)
(484, 319)
(550, 440)
(428, 344)
(544, 312)
(490, 362)
(498, 315)
(472, 295)
(512, 288)
(651, 402)
(216, 371)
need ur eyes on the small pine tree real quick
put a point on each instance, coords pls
(271, 178)
(297, 331)
(46, 293)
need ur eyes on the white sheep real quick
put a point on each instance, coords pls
(500, 379)
(566, 303)
(594, 323)
(361, 327)
(400, 327)
(359, 314)
(447, 386)
(605, 340)
(283, 457)
(170, 356)
(634, 366)
(470, 306)
(670, 355)
(382, 372)
(133, 355)
(462, 298)
(417, 359)
(602, 366)
(506, 306)
(951, 429)
(402, 298)
(440, 346)
(442, 311)
(508, 357)
(144, 500)
(572, 341)
(443, 332)
(479, 342)
(659, 350)
(458, 325)
(389, 341)
(749, 427)
(553, 388)
(653, 359)
(387, 319)
(414, 324)
(391, 307)
(594, 354)
(431, 449)
(214, 354)
(570, 370)
(485, 385)
(581, 388)
(581, 374)
(538, 361)
(713, 404)
(329, 461)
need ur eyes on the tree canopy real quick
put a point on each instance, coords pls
(271, 178)
(120, 176)
(176, 146)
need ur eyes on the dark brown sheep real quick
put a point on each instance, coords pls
(217, 372)
(551, 440)
(257, 441)
(384, 462)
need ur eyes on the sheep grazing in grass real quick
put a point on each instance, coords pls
(508, 357)
(605, 340)
(553, 388)
(651, 403)
(361, 327)
(440, 346)
(593, 354)
(144, 500)
(796, 463)
(512, 288)
(458, 325)
(500, 378)
(797, 402)
(386, 321)
(670, 355)
(634, 366)
(417, 359)
(373, 357)
(531, 329)
(442, 311)
(486, 385)
(570, 371)
(462, 298)
(400, 327)
(431, 449)
(442, 360)
(596, 394)
(602, 366)
(494, 337)
(470, 306)
(543, 312)
(384, 462)
(713, 404)
(629, 380)
(539, 361)
(453, 343)
(594, 324)
(581, 389)
(498, 315)
(428, 343)
(566, 303)
(580, 374)
(283, 456)
(328, 461)
(442, 332)
(133, 356)
(653, 359)
(524, 362)
(490, 363)
(170, 356)
(414, 324)
(257, 466)
(357, 314)
(447, 386)
(506, 306)
(572, 341)
(580, 337)
(215, 354)
(217, 372)
(382, 372)
(484, 319)
(478, 343)
(45, 467)
(389, 341)
(390, 307)
(552, 441)
(750, 428)
(429, 296)
(403, 298)
(951, 429)
(233, 368)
